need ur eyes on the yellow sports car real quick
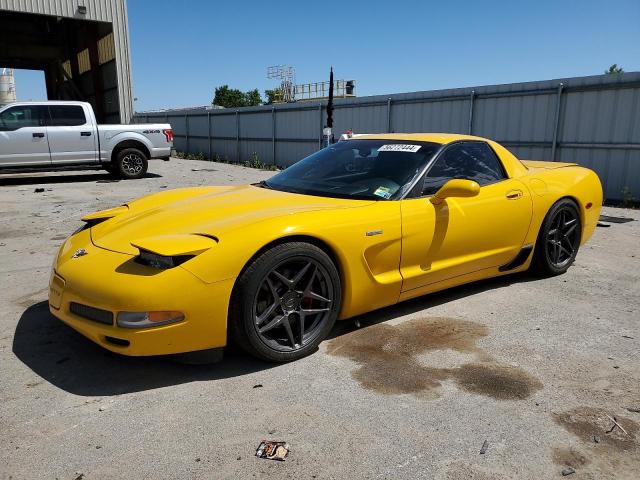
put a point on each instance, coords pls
(362, 224)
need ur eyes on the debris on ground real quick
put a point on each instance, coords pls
(257, 385)
(605, 225)
(568, 471)
(484, 447)
(627, 336)
(273, 450)
(596, 439)
(634, 409)
(38, 190)
(616, 424)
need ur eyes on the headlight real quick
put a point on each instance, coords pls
(161, 262)
(148, 319)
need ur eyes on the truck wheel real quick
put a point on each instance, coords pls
(131, 163)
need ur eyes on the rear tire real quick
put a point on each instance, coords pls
(285, 302)
(131, 164)
(558, 240)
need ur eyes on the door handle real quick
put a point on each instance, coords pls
(85, 134)
(514, 194)
(38, 135)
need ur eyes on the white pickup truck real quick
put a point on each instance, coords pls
(58, 134)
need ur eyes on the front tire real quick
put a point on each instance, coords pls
(131, 164)
(285, 303)
(558, 240)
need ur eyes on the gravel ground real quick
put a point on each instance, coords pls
(536, 368)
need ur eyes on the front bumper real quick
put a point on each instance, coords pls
(113, 282)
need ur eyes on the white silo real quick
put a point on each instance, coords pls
(7, 86)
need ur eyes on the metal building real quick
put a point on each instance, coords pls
(81, 45)
(7, 86)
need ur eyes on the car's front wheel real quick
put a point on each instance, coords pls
(285, 302)
(558, 239)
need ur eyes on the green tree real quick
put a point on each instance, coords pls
(252, 98)
(233, 98)
(273, 96)
(613, 69)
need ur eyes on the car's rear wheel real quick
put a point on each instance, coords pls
(131, 163)
(558, 240)
(286, 302)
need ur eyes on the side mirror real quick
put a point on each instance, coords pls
(456, 188)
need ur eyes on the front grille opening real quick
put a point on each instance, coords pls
(91, 313)
(117, 341)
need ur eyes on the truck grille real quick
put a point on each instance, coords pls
(91, 313)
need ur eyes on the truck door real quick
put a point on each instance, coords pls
(23, 136)
(72, 135)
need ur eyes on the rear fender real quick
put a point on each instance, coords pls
(550, 185)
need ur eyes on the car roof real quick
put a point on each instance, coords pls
(442, 138)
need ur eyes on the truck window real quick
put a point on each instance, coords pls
(66, 115)
(20, 116)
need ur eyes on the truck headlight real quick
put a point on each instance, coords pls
(148, 319)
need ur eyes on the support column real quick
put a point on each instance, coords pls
(238, 136)
(273, 134)
(471, 100)
(556, 126)
(98, 85)
(209, 135)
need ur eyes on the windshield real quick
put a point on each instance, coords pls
(364, 169)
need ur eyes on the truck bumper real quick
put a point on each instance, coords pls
(162, 153)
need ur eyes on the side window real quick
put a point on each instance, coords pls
(466, 160)
(20, 116)
(66, 115)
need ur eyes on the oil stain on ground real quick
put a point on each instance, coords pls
(587, 423)
(389, 359)
(606, 451)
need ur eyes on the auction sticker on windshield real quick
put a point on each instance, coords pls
(397, 147)
(383, 192)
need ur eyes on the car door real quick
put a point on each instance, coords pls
(23, 136)
(72, 135)
(463, 235)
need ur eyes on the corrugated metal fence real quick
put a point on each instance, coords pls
(594, 121)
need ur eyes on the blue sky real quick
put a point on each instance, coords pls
(182, 50)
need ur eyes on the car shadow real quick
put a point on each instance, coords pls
(66, 359)
(17, 179)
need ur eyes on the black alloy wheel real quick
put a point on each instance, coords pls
(286, 302)
(559, 239)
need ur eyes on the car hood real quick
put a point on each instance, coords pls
(163, 218)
